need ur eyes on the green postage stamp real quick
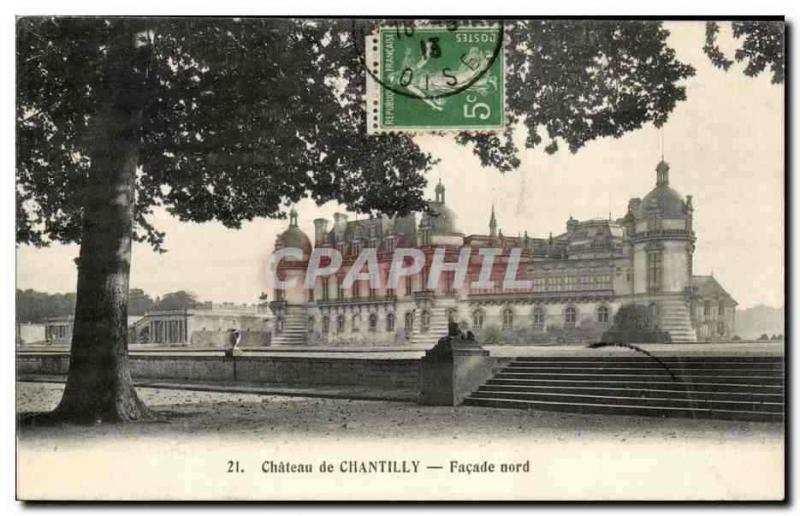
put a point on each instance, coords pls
(435, 78)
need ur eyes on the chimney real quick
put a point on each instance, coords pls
(320, 229)
(572, 224)
(339, 224)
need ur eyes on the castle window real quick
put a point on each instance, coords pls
(326, 324)
(340, 324)
(706, 308)
(477, 319)
(602, 314)
(390, 322)
(373, 323)
(426, 321)
(311, 325)
(721, 309)
(721, 328)
(654, 267)
(570, 316)
(409, 286)
(372, 293)
(356, 322)
(538, 318)
(409, 322)
(311, 295)
(508, 319)
(356, 290)
(325, 294)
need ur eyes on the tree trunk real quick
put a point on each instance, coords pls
(99, 385)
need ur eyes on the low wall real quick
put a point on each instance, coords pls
(379, 373)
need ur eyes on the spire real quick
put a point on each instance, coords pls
(293, 218)
(662, 173)
(492, 224)
(440, 192)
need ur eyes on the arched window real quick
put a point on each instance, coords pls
(477, 319)
(508, 319)
(373, 322)
(340, 323)
(356, 322)
(311, 324)
(721, 328)
(602, 314)
(326, 324)
(538, 318)
(570, 316)
(390, 322)
(426, 321)
(409, 322)
(721, 309)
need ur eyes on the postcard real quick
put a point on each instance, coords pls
(401, 259)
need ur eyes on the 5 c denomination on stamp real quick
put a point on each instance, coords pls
(434, 78)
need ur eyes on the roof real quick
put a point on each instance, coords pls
(708, 286)
(665, 201)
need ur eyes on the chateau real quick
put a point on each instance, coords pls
(579, 279)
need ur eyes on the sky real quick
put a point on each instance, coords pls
(725, 146)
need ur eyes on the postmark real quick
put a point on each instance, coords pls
(435, 78)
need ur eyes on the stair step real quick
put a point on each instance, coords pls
(666, 359)
(675, 392)
(649, 401)
(647, 370)
(634, 410)
(652, 364)
(692, 378)
(716, 387)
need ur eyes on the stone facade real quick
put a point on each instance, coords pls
(579, 278)
(204, 327)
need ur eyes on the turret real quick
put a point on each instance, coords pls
(440, 192)
(662, 173)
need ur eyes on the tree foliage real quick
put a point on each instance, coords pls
(34, 306)
(244, 116)
(762, 47)
(570, 82)
(180, 300)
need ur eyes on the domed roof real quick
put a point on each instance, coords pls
(294, 236)
(442, 221)
(663, 200)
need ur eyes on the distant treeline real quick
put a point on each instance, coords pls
(34, 306)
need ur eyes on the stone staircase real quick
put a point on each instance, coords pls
(722, 387)
(437, 329)
(675, 318)
(294, 330)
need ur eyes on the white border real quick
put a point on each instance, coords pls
(417, 7)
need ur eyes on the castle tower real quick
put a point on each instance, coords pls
(663, 243)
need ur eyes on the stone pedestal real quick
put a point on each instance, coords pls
(452, 370)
